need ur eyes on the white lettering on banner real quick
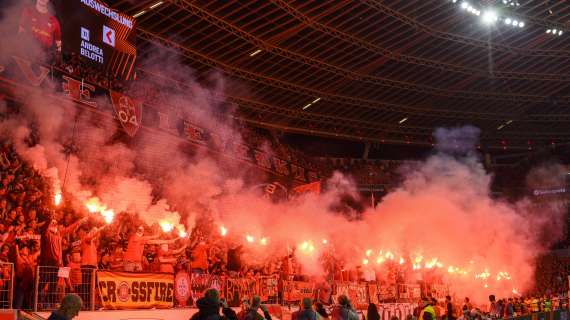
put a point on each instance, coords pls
(91, 51)
(106, 11)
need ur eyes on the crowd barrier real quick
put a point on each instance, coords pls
(123, 290)
(6, 285)
(112, 290)
(53, 283)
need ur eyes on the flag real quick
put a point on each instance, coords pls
(314, 187)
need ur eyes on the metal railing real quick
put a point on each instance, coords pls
(53, 283)
(6, 285)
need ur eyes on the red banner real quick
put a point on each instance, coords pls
(357, 293)
(297, 290)
(129, 112)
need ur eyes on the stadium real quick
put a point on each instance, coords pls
(292, 160)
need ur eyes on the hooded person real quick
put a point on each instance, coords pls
(306, 311)
(68, 309)
(254, 306)
(209, 307)
(344, 310)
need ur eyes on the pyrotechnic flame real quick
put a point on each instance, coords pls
(515, 291)
(263, 241)
(108, 215)
(380, 260)
(486, 285)
(503, 275)
(223, 231)
(418, 259)
(402, 260)
(325, 241)
(431, 263)
(181, 231)
(368, 252)
(166, 226)
(249, 238)
(57, 198)
(307, 247)
(389, 255)
(93, 205)
(483, 275)
(365, 261)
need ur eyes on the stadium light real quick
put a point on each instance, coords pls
(403, 120)
(521, 24)
(255, 52)
(548, 31)
(508, 21)
(156, 4)
(560, 32)
(489, 16)
(464, 5)
(138, 14)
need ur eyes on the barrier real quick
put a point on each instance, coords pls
(53, 283)
(6, 285)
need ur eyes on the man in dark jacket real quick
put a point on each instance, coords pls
(69, 308)
(306, 312)
(252, 313)
(209, 307)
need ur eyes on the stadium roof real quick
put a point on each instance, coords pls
(379, 70)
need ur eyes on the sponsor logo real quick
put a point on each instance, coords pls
(85, 34)
(109, 36)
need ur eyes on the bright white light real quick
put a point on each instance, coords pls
(139, 14)
(521, 24)
(477, 12)
(156, 4)
(489, 17)
(548, 31)
(515, 23)
(464, 5)
(403, 120)
(453, 1)
(508, 21)
(255, 52)
(560, 32)
(554, 31)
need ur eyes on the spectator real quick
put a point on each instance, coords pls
(133, 258)
(209, 307)
(25, 275)
(69, 308)
(372, 312)
(343, 310)
(305, 312)
(323, 314)
(449, 314)
(255, 305)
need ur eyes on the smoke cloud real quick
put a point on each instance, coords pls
(441, 222)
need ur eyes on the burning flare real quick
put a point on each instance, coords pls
(57, 198)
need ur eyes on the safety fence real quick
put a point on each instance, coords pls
(100, 289)
(6, 285)
(53, 283)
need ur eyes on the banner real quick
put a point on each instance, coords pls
(387, 292)
(133, 115)
(182, 288)
(123, 290)
(297, 290)
(314, 187)
(199, 283)
(409, 291)
(128, 111)
(373, 293)
(357, 293)
(240, 289)
(400, 310)
(268, 288)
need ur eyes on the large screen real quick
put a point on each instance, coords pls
(88, 28)
(99, 34)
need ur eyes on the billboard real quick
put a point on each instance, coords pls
(101, 36)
